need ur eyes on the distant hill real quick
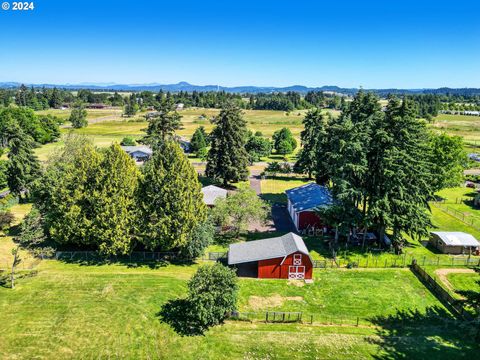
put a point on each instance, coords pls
(185, 86)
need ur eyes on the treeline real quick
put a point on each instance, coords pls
(427, 105)
(21, 130)
(382, 166)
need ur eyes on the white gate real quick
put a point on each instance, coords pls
(296, 272)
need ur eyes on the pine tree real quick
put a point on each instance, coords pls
(78, 117)
(131, 107)
(227, 159)
(114, 202)
(162, 126)
(23, 167)
(198, 141)
(400, 173)
(170, 199)
(314, 139)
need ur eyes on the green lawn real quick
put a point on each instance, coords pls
(110, 311)
(273, 189)
(464, 282)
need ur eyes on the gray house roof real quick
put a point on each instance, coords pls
(139, 148)
(309, 196)
(212, 193)
(266, 249)
(456, 238)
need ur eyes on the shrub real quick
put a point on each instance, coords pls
(212, 294)
(6, 219)
(128, 141)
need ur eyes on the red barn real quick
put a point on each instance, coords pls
(302, 203)
(284, 257)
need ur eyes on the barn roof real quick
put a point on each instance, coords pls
(309, 196)
(212, 193)
(138, 148)
(456, 238)
(266, 249)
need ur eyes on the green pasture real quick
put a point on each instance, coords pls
(110, 311)
(464, 282)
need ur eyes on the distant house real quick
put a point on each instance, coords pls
(97, 106)
(284, 257)
(184, 144)
(179, 106)
(211, 193)
(454, 242)
(139, 153)
(302, 203)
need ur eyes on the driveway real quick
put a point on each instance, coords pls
(282, 221)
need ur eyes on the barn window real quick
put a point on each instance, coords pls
(297, 259)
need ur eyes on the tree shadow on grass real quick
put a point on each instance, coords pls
(179, 315)
(151, 264)
(433, 334)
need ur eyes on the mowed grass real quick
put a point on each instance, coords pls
(7, 243)
(464, 282)
(462, 125)
(273, 189)
(107, 125)
(346, 293)
(71, 311)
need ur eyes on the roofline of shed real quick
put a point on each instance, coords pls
(269, 258)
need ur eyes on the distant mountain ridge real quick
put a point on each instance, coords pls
(185, 86)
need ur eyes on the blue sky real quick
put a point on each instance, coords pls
(374, 44)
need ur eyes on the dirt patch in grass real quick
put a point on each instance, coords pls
(276, 300)
(443, 275)
(298, 283)
(108, 290)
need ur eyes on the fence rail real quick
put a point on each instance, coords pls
(443, 295)
(400, 261)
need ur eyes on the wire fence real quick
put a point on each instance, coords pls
(463, 216)
(392, 261)
(318, 319)
(399, 261)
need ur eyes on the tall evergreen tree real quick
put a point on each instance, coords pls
(87, 197)
(23, 167)
(162, 126)
(198, 141)
(115, 203)
(170, 199)
(131, 106)
(78, 116)
(227, 159)
(313, 138)
(400, 173)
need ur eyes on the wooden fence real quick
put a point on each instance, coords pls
(443, 295)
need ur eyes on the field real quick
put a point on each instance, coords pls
(465, 126)
(464, 282)
(107, 126)
(76, 311)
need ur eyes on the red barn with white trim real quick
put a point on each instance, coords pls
(284, 257)
(302, 203)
